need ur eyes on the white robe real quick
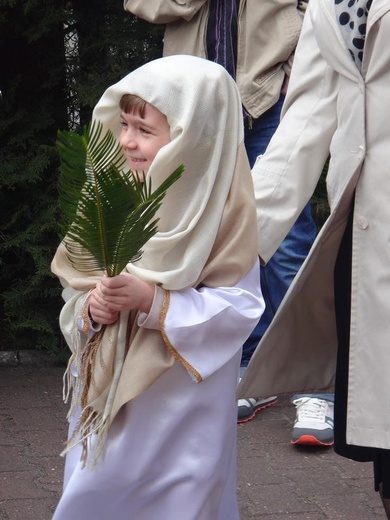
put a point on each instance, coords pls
(171, 452)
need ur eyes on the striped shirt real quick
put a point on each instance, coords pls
(221, 35)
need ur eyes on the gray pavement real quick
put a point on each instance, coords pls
(277, 481)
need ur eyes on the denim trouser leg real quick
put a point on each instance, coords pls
(326, 396)
(279, 272)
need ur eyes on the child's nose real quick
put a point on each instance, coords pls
(128, 140)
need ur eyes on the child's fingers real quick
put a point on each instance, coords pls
(101, 304)
(116, 282)
(103, 315)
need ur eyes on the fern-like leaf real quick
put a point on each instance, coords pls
(109, 214)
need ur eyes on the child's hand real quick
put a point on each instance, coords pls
(99, 310)
(122, 292)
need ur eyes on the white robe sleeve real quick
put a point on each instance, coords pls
(208, 326)
(71, 314)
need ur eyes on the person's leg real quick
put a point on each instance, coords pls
(327, 396)
(281, 269)
(385, 501)
(381, 460)
(279, 272)
(258, 132)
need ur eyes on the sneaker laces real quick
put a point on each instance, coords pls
(311, 407)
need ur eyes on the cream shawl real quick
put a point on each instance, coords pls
(207, 226)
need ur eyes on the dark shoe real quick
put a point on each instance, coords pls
(248, 408)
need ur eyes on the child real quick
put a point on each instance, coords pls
(160, 413)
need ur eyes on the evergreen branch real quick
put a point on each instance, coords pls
(109, 214)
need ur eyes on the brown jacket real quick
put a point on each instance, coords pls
(268, 31)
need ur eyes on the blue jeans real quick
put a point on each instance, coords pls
(327, 397)
(279, 272)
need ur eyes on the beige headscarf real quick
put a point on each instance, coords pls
(207, 223)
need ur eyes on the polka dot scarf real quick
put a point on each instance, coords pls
(352, 17)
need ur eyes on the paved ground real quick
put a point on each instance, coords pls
(277, 481)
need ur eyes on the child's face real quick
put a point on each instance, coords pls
(142, 137)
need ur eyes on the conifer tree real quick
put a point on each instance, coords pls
(43, 90)
(32, 108)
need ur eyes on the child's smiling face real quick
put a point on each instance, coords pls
(142, 136)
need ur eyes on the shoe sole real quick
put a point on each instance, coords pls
(256, 410)
(309, 440)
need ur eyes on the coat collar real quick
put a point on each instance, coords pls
(377, 10)
(330, 39)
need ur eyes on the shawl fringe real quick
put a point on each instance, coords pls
(91, 422)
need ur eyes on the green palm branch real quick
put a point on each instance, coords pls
(108, 214)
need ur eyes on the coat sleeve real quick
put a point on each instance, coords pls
(207, 327)
(163, 11)
(286, 176)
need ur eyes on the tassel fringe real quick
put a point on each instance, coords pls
(90, 422)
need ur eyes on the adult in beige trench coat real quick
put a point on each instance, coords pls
(332, 108)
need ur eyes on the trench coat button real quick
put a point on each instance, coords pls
(361, 222)
(361, 152)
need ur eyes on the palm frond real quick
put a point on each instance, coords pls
(109, 214)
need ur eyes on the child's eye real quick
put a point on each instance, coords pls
(144, 130)
(124, 124)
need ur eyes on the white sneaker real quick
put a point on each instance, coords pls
(314, 422)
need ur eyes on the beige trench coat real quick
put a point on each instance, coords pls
(330, 106)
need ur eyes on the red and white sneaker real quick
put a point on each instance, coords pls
(248, 408)
(314, 422)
